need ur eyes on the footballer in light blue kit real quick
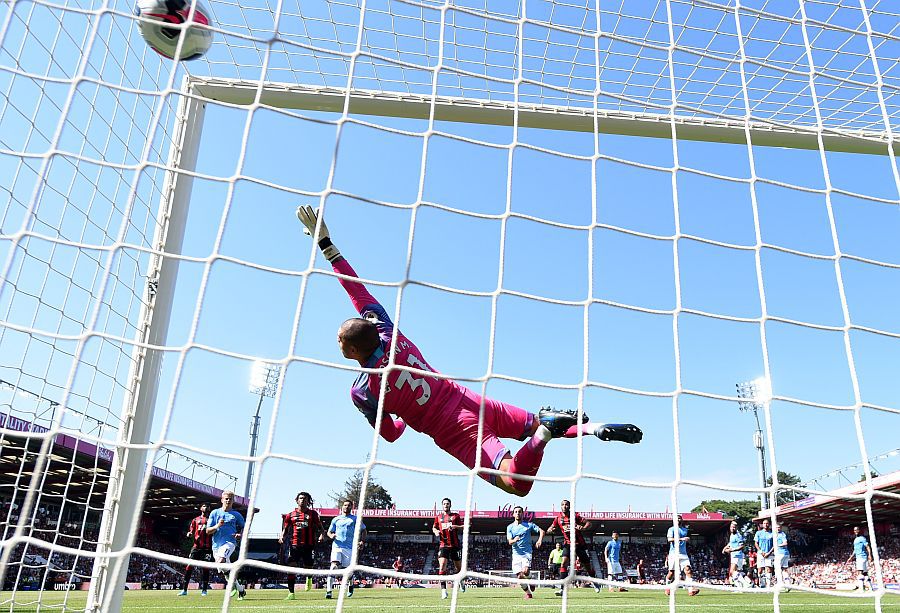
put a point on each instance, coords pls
(226, 526)
(518, 534)
(612, 553)
(678, 560)
(862, 552)
(782, 553)
(765, 547)
(341, 531)
(735, 548)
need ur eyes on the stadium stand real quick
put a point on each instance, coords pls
(820, 542)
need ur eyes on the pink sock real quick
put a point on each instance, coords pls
(585, 429)
(527, 461)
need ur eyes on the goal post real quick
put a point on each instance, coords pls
(548, 117)
(130, 468)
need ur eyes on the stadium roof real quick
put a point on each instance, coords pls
(78, 471)
(843, 507)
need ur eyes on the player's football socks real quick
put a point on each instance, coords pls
(308, 583)
(527, 461)
(182, 593)
(444, 594)
(626, 433)
(559, 421)
(462, 586)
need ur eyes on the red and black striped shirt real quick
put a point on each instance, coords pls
(562, 523)
(302, 527)
(202, 540)
(446, 523)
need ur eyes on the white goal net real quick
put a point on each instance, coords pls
(504, 578)
(625, 207)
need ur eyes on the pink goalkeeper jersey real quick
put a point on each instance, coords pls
(424, 403)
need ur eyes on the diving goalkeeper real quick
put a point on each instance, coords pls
(441, 408)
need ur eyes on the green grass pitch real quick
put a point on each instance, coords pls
(490, 600)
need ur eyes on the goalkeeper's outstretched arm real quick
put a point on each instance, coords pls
(366, 305)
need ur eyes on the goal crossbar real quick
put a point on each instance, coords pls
(550, 117)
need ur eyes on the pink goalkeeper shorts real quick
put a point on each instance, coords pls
(459, 434)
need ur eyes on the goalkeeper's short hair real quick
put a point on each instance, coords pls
(361, 333)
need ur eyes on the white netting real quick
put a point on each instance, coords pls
(668, 270)
(502, 578)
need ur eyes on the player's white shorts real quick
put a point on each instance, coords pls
(613, 569)
(678, 561)
(763, 562)
(783, 561)
(520, 562)
(223, 552)
(341, 555)
(862, 564)
(738, 560)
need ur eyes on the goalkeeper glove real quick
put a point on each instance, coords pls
(308, 217)
(627, 433)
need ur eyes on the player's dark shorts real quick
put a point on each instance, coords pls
(204, 555)
(301, 555)
(553, 569)
(451, 553)
(581, 553)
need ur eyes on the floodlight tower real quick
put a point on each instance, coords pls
(264, 379)
(755, 396)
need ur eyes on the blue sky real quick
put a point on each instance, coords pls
(565, 235)
(540, 341)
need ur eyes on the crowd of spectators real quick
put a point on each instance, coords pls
(815, 562)
(148, 571)
(383, 555)
(827, 565)
(33, 565)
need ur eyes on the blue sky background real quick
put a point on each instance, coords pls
(544, 342)
(580, 263)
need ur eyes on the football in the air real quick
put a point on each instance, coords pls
(157, 19)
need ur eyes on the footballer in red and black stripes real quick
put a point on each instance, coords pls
(561, 523)
(201, 549)
(447, 526)
(197, 531)
(302, 529)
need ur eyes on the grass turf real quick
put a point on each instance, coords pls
(490, 600)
